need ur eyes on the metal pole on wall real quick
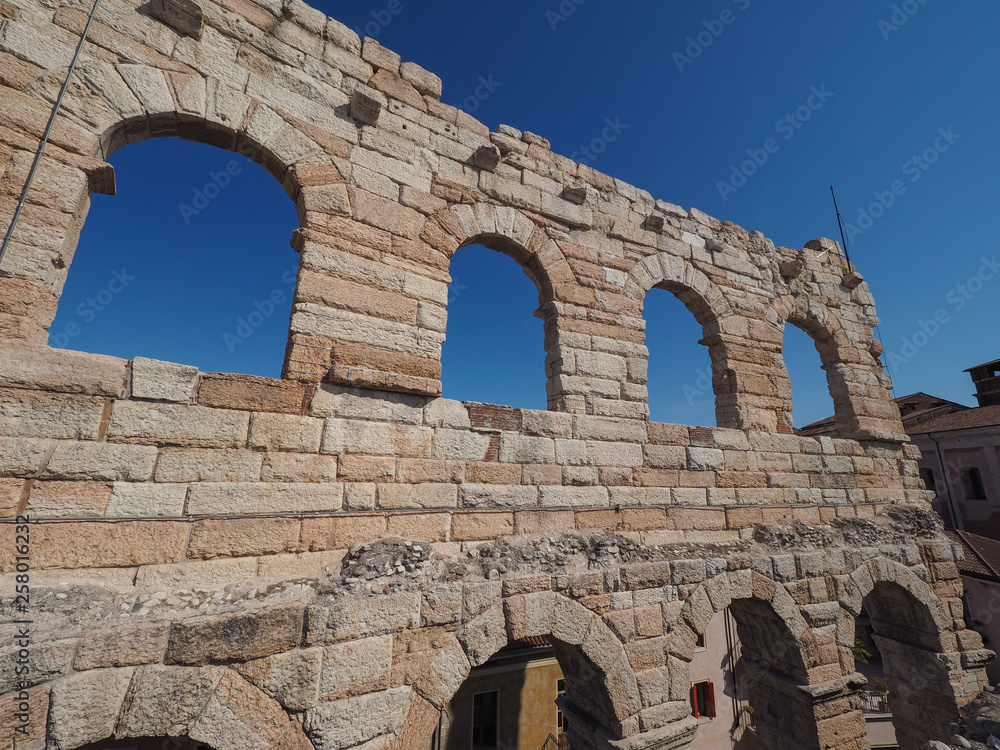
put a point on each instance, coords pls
(45, 135)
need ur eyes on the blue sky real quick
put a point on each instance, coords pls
(895, 104)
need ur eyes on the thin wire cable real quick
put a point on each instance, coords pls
(46, 134)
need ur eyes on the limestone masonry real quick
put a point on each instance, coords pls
(201, 545)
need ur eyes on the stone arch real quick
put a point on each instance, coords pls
(882, 570)
(724, 330)
(109, 106)
(915, 636)
(783, 663)
(509, 232)
(716, 594)
(112, 105)
(863, 406)
(213, 705)
(606, 709)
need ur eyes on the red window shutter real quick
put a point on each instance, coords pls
(711, 700)
(694, 701)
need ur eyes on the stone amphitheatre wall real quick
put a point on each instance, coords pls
(318, 561)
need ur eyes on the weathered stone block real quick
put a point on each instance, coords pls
(497, 496)
(244, 536)
(573, 497)
(285, 432)
(234, 498)
(359, 618)
(291, 678)
(348, 723)
(424, 81)
(163, 381)
(125, 645)
(102, 545)
(146, 500)
(41, 414)
(250, 393)
(357, 667)
(66, 499)
(341, 436)
(171, 424)
(238, 714)
(183, 15)
(298, 467)
(100, 461)
(235, 637)
(366, 104)
(84, 708)
(204, 465)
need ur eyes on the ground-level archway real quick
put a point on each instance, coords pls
(211, 706)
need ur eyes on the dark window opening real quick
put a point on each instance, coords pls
(679, 371)
(972, 483)
(699, 641)
(484, 720)
(189, 263)
(494, 350)
(927, 475)
(703, 700)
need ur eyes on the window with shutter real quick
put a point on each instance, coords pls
(703, 700)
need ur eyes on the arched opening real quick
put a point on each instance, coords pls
(875, 693)
(779, 668)
(509, 701)
(202, 707)
(771, 663)
(777, 681)
(810, 407)
(679, 377)
(591, 681)
(534, 692)
(915, 682)
(494, 345)
(193, 266)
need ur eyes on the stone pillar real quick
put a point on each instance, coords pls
(745, 382)
(591, 367)
(925, 688)
(792, 716)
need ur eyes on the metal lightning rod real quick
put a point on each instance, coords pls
(883, 359)
(45, 136)
(843, 240)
